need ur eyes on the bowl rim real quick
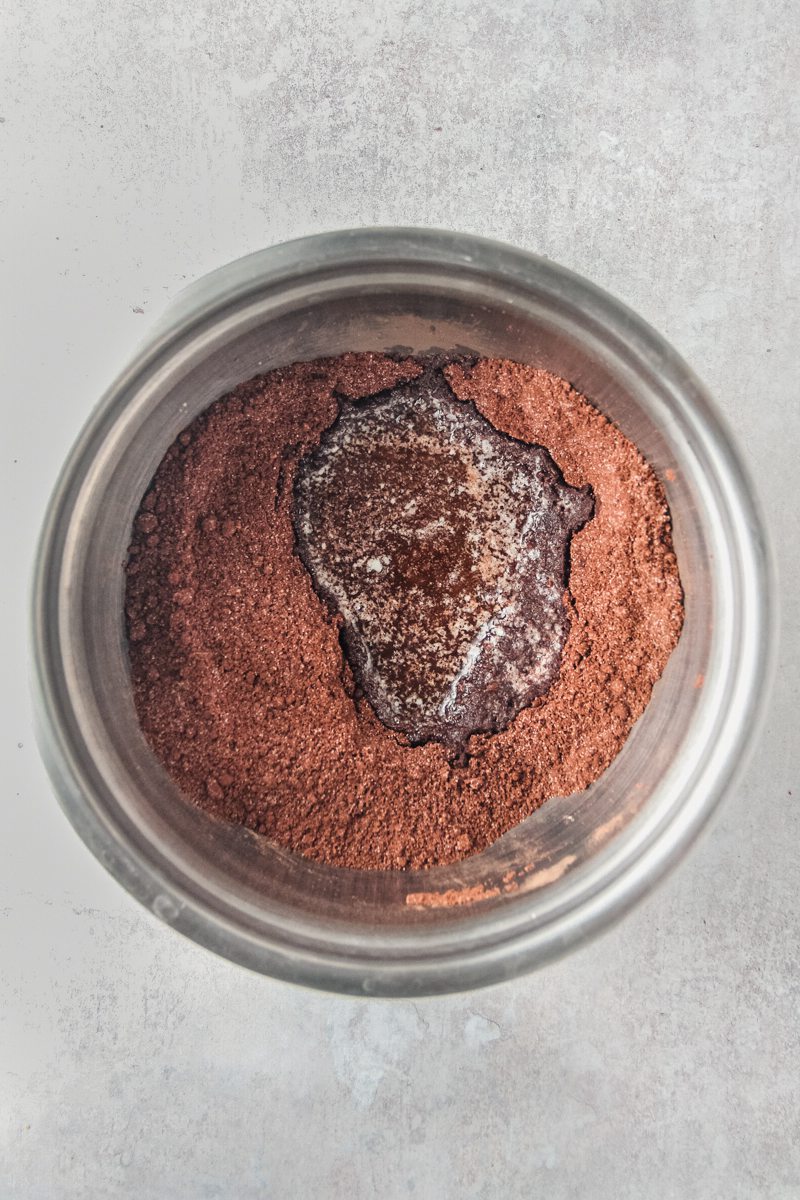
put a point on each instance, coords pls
(630, 870)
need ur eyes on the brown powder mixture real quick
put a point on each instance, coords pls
(239, 679)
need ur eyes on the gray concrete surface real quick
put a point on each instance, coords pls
(652, 147)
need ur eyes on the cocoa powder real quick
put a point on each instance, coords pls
(239, 678)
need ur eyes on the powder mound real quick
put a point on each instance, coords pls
(442, 545)
(238, 675)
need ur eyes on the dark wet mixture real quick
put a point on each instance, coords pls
(442, 546)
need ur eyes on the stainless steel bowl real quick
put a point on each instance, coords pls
(586, 857)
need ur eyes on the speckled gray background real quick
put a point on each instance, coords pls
(650, 146)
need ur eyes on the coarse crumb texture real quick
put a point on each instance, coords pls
(239, 679)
